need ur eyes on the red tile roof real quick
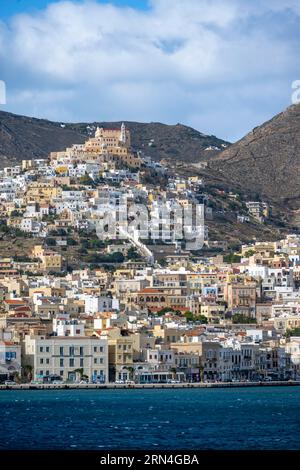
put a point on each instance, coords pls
(149, 290)
(15, 302)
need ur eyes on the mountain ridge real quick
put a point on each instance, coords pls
(23, 137)
(267, 159)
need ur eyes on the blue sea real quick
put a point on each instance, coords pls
(248, 418)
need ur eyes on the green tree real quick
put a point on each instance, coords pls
(131, 372)
(51, 241)
(202, 319)
(232, 258)
(3, 227)
(27, 372)
(292, 332)
(189, 316)
(133, 254)
(240, 318)
(173, 371)
(96, 244)
(163, 262)
(249, 253)
(116, 257)
(79, 371)
(82, 251)
(16, 213)
(86, 180)
(165, 310)
(71, 241)
(201, 373)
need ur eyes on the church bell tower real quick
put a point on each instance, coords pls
(123, 134)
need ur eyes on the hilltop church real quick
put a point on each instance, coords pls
(108, 144)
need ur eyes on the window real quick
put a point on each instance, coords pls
(101, 360)
(95, 360)
(101, 349)
(41, 361)
(95, 348)
(71, 351)
(61, 373)
(47, 361)
(41, 349)
(61, 351)
(81, 350)
(61, 362)
(81, 362)
(71, 362)
(41, 372)
(47, 372)
(10, 355)
(47, 349)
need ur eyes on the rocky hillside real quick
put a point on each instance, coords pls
(267, 160)
(162, 141)
(24, 137)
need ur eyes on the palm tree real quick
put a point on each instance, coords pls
(79, 372)
(131, 372)
(201, 373)
(173, 370)
(27, 372)
(16, 377)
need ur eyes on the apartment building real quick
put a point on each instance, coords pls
(49, 260)
(69, 357)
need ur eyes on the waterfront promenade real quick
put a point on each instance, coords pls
(112, 386)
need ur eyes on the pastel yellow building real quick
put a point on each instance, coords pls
(42, 192)
(50, 260)
(115, 143)
(120, 353)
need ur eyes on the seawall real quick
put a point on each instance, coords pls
(112, 386)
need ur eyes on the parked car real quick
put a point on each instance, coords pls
(119, 382)
(9, 382)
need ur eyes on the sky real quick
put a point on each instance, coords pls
(220, 66)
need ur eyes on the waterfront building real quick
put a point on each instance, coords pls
(10, 360)
(69, 357)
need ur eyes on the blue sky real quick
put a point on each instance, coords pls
(12, 7)
(221, 66)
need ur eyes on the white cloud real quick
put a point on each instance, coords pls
(96, 61)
